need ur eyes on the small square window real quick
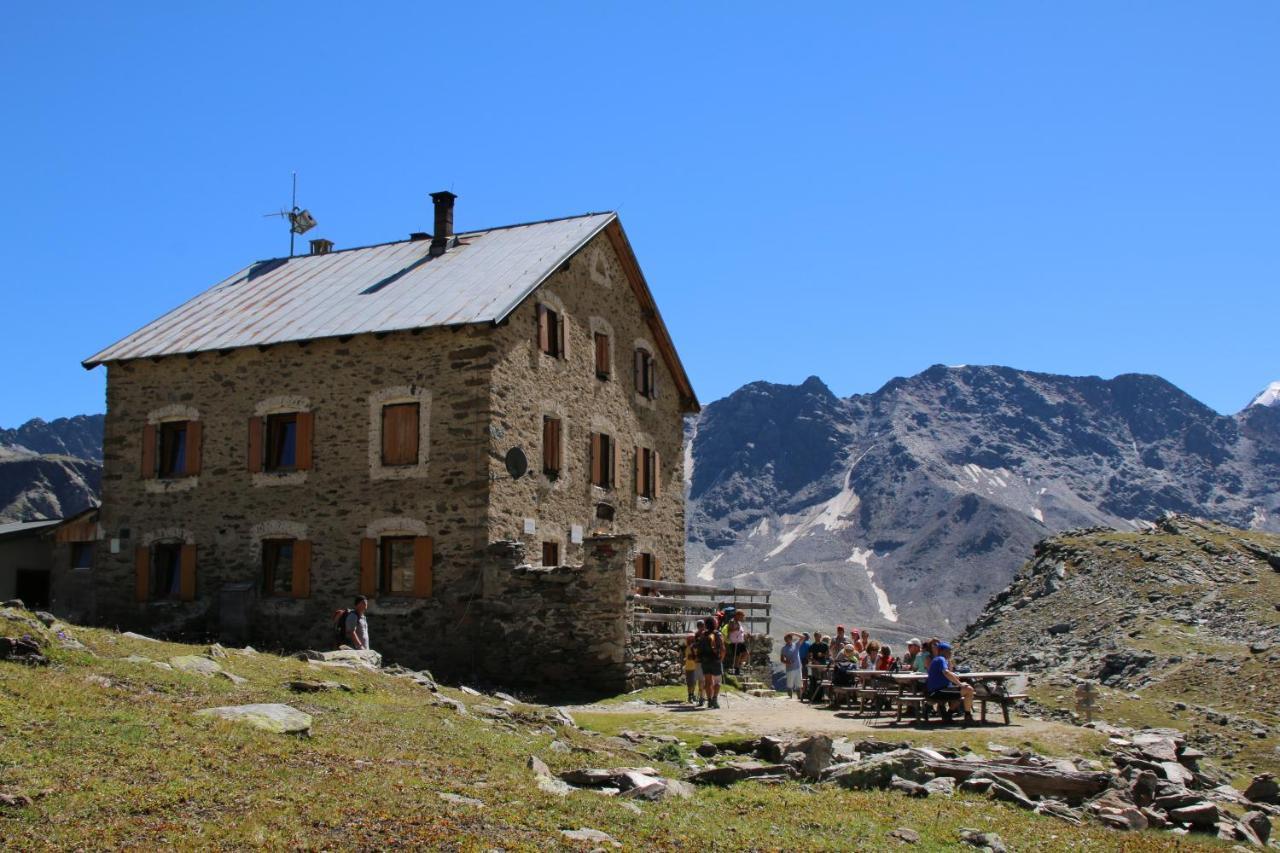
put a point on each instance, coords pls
(82, 555)
(277, 567)
(173, 448)
(646, 374)
(166, 570)
(282, 442)
(396, 565)
(550, 331)
(550, 553)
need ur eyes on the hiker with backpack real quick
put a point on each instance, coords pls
(711, 652)
(351, 626)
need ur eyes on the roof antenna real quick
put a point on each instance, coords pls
(300, 221)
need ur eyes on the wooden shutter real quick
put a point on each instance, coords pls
(656, 477)
(141, 574)
(544, 332)
(192, 461)
(597, 460)
(637, 470)
(602, 354)
(556, 440)
(616, 460)
(255, 445)
(301, 568)
(639, 371)
(653, 565)
(306, 431)
(400, 434)
(187, 581)
(639, 565)
(148, 452)
(369, 567)
(653, 377)
(559, 336)
(422, 563)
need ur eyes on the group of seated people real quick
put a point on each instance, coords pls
(842, 656)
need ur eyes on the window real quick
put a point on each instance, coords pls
(171, 449)
(551, 446)
(282, 442)
(550, 553)
(400, 434)
(166, 570)
(604, 512)
(646, 472)
(82, 555)
(646, 374)
(550, 331)
(646, 569)
(602, 356)
(604, 460)
(277, 567)
(395, 575)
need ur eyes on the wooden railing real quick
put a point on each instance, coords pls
(677, 606)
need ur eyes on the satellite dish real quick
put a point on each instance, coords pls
(517, 463)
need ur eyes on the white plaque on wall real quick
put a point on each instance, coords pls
(529, 526)
(575, 534)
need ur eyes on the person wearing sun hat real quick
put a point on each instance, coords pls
(791, 660)
(942, 683)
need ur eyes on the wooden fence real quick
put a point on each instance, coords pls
(677, 606)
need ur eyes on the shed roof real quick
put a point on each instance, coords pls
(21, 528)
(385, 288)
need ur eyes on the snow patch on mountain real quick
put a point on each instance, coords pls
(1269, 397)
(862, 557)
(708, 570)
(831, 515)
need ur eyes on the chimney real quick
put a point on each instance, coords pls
(321, 246)
(443, 233)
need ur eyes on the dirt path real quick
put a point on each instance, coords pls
(782, 716)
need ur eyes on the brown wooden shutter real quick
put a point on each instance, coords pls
(639, 371)
(597, 460)
(141, 574)
(409, 434)
(544, 333)
(560, 336)
(653, 377)
(148, 452)
(639, 561)
(653, 563)
(602, 354)
(369, 567)
(255, 445)
(306, 432)
(637, 470)
(192, 462)
(301, 568)
(187, 581)
(556, 440)
(656, 476)
(400, 434)
(617, 462)
(422, 563)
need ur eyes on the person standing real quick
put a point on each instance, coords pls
(693, 669)
(355, 627)
(791, 660)
(711, 655)
(736, 636)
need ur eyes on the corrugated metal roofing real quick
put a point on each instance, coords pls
(382, 288)
(17, 528)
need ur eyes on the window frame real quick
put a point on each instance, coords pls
(603, 345)
(551, 330)
(272, 445)
(552, 446)
(174, 593)
(550, 549)
(77, 548)
(647, 473)
(271, 567)
(167, 446)
(385, 569)
(604, 445)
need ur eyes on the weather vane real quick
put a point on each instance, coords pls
(300, 221)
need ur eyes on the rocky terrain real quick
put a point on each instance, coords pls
(904, 510)
(50, 469)
(1178, 625)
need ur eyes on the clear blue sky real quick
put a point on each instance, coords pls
(854, 190)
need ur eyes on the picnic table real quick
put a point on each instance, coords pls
(988, 687)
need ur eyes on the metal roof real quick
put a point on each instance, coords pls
(18, 528)
(382, 288)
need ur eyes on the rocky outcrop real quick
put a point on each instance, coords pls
(904, 510)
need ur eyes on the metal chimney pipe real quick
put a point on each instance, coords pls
(443, 232)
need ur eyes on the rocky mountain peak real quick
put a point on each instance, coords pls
(1270, 396)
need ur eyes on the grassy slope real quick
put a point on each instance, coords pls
(127, 765)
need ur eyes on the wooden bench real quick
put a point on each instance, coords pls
(1004, 701)
(842, 695)
(872, 699)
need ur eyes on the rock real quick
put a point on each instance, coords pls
(1142, 788)
(217, 652)
(195, 664)
(454, 704)
(594, 836)
(459, 800)
(987, 840)
(1061, 811)
(132, 636)
(559, 745)
(159, 664)
(1127, 818)
(1200, 815)
(905, 835)
(1156, 748)
(551, 785)
(707, 749)
(539, 767)
(906, 786)
(559, 717)
(1175, 772)
(1060, 628)
(99, 680)
(305, 685)
(281, 719)
(22, 650)
(48, 618)
(977, 784)
(737, 771)
(346, 657)
(1264, 789)
(232, 677)
(871, 746)
(470, 691)
(138, 659)
(248, 651)
(660, 789)
(15, 603)
(14, 801)
(1258, 823)
(622, 778)
(1009, 792)
(769, 749)
(818, 753)
(1177, 799)
(878, 770)
(942, 786)
(1255, 648)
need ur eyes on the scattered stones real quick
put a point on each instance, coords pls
(366, 658)
(217, 652)
(277, 718)
(132, 636)
(195, 664)
(707, 749)
(593, 836)
(906, 786)
(737, 771)
(983, 840)
(942, 786)
(22, 650)
(232, 677)
(459, 800)
(878, 770)
(306, 685)
(905, 835)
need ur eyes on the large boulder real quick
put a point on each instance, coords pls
(736, 771)
(195, 664)
(878, 770)
(818, 754)
(345, 657)
(281, 719)
(1264, 789)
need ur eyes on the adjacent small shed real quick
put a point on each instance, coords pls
(48, 563)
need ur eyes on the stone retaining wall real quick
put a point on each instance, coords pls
(656, 660)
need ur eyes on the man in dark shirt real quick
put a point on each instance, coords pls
(942, 683)
(819, 655)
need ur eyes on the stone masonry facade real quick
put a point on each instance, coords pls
(481, 391)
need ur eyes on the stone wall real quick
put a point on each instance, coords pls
(654, 660)
(594, 295)
(556, 626)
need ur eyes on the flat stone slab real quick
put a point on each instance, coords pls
(349, 657)
(196, 664)
(281, 719)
